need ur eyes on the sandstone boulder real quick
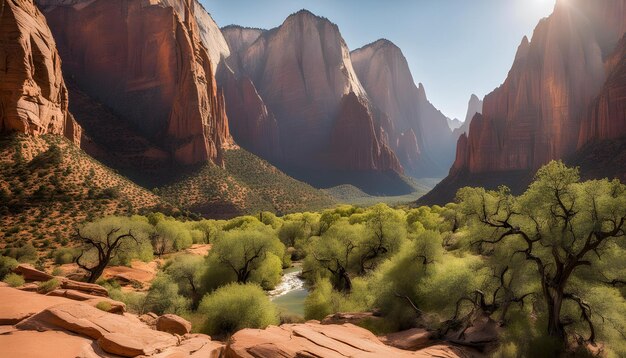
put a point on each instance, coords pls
(349, 317)
(410, 340)
(173, 324)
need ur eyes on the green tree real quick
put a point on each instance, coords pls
(244, 251)
(111, 239)
(186, 271)
(564, 229)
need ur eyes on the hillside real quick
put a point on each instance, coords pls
(48, 186)
(246, 185)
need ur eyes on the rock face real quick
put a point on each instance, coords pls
(33, 96)
(173, 324)
(149, 66)
(548, 107)
(294, 97)
(385, 75)
(354, 141)
(474, 106)
(315, 340)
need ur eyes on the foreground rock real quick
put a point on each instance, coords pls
(315, 340)
(173, 324)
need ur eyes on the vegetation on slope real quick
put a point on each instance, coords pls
(247, 185)
(48, 186)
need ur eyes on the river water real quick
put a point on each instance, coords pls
(290, 293)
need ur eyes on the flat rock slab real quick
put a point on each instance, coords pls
(32, 344)
(316, 340)
(116, 334)
(17, 305)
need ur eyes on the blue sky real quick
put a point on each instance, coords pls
(454, 47)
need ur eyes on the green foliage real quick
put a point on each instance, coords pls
(163, 297)
(48, 286)
(250, 253)
(236, 306)
(176, 234)
(566, 237)
(14, 280)
(65, 255)
(7, 264)
(130, 249)
(104, 306)
(26, 252)
(186, 271)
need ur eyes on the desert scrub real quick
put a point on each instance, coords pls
(104, 306)
(14, 280)
(48, 286)
(7, 264)
(234, 307)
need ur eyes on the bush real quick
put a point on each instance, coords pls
(163, 297)
(234, 307)
(7, 264)
(64, 256)
(104, 306)
(14, 280)
(48, 286)
(25, 253)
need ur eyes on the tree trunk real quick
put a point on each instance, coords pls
(96, 272)
(556, 329)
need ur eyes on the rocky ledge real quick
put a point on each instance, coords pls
(74, 323)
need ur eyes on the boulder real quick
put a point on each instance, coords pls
(173, 324)
(410, 340)
(31, 274)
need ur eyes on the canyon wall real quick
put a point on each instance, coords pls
(294, 98)
(33, 95)
(149, 66)
(384, 72)
(548, 107)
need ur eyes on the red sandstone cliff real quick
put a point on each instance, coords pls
(385, 75)
(147, 63)
(354, 142)
(33, 96)
(548, 107)
(299, 74)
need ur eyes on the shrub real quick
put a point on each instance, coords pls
(163, 297)
(48, 286)
(234, 307)
(7, 264)
(14, 280)
(64, 256)
(104, 306)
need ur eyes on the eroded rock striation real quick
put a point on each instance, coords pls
(150, 66)
(384, 72)
(296, 85)
(548, 107)
(33, 96)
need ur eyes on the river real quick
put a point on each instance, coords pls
(290, 293)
